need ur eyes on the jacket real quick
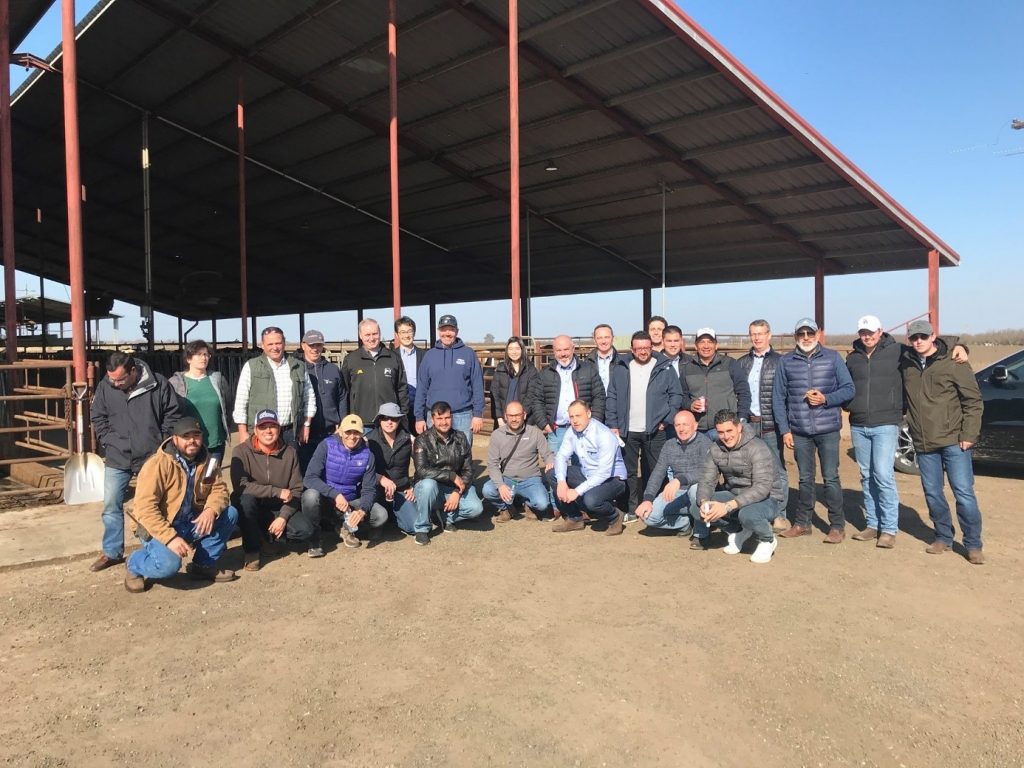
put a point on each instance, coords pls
(944, 404)
(180, 387)
(686, 460)
(587, 384)
(721, 381)
(371, 382)
(330, 392)
(750, 470)
(766, 384)
(257, 390)
(335, 470)
(593, 357)
(520, 457)
(527, 385)
(131, 426)
(450, 374)
(392, 461)
(664, 396)
(160, 490)
(796, 373)
(264, 475)
(442, 459)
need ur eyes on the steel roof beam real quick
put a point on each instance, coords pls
(824, 213)
(794, 192)
(637, 46)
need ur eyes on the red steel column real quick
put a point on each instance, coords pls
(647, 310)
(7, 186)
(819, 296)
(243, 267)
(933, 289)
(76, 266)
(513, 133)
(396, 261)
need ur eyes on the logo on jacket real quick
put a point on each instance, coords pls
(387, 373)
(459, 361)
(360, 370)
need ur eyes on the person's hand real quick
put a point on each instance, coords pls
(671, 490)
(476, 424)
(787, 440)
(965, 445)
(571, 495)
(451, 502)
(341, 503)
(959, 354)
(303, 435)
(180, 547)
(204, 522)
(547, 429)
(389, 487)
(460, 484)
(276, 528)
(814, 397)
(562, 490)
(243, 433)
(285, 494)
(715, 510)
(506, 493)
(697, 406)
(549, 466)
(410, 495)
(644, 509)
(355, 517)
(615, 432)
(421, 427)
(661, 427)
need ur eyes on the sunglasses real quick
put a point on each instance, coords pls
(390, 418)
(806, 334)
(919, 337)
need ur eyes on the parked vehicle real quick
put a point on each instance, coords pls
(1002, 426)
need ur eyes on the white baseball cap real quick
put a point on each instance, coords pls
(706, 332)
(869, 323)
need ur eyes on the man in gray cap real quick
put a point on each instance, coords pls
(451, 373)
(328, 389)
(811, 386)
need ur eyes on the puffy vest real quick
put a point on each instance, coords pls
(344, 469)
(815, 372)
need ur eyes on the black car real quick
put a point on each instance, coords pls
(1002, 426)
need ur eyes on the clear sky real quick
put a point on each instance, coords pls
(919, 94)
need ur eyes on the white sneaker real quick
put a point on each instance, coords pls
(736, 542)
(764, 551)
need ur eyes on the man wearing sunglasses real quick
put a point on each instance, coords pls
(391, 445)
(811, 386)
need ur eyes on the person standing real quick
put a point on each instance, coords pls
(411, 356)
(656, 329)
(450, 373)
(328, 390)
(515, 379)
(604, 353)
(713, 382)
(201, 396)
(373, 375)
(564, 380)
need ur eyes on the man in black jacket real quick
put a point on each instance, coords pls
(133, 412)
(713, 382)
(564, 380)
(444, 474)
(373, 375)
(329, 391)
(391, 445)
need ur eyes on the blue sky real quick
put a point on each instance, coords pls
(919, 94)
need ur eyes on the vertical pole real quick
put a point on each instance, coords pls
(663, 313)
(513, 134)
(252, 321)
(42, 280)
(396, 261)
(647, 308)
(243, 266)
(213, 333)
(74, 190)
(359, 318)
(181, 336)
(433, 324)
(302, 325)
(7, 185)
(527, 308)
(147, 242)
(819, 296)
(933, 289)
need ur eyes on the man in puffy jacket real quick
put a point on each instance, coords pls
(811, 386)
(444, 474)
(451, 373)
(713, 381)
(685, 454)
(564, 380)
(342, 480)
(132, 414)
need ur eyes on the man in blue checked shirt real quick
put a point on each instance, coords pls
(595, 481)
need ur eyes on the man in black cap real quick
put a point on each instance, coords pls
(373, 375)
(328, 389)
(451, 373)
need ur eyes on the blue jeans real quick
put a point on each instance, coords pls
(598, 502)
(156, 561)
(115, 486)
(430, 497)
(875, 449)
(555, 438)
(532, 490)
(407, 515)
(461, 420)
(960, 471)
(827, 448)
(773, 440)
(756, 518)
(673, 515)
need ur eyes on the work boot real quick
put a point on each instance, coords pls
(253, 561)
(528, 513)
(975, 556)
(349, 539)
(209, 573)
(103, 562)
(503, 515)
(133, 582)
(868, 534)
(780, 524)
(886, 541)
(568, 524)
(615, 526)
(835, 536)
(795, 530)
(937, 547)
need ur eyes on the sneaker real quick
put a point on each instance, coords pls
(764, 551)
(736, 542)
(868, 534)
(629, 517)
(209, 573)
(349, 539)
(937, 547)
(975, 557)
(449, 527)
(423, 538)
(317, 551)
(568, 524)
(885, 541)
(699, 542)
(133, 582)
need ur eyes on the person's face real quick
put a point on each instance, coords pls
(923, 345)
(760, 338)
(312, 352)
(350, 438)
(273, 346)
(706, 348)
(447, 334)
(685, 425)
(369, 336)
(267, 434)
(405, 335)
(515, 416)
(673, 343)
(870, 339)
(514, 352)
(188, 445)
(656, 330)
(123, 379)
(442, 422)
(579, 417)
(603, 340)
(388, 425)
(200, 360)
(641, 349)
(563, 348)
(806, 339)
(729, 433)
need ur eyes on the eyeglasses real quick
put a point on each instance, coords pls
(806, 334)
(202, 354)
(514, 415)
(919, 337)
(118, 381)
(390, 418)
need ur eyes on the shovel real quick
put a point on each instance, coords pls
(83, 472)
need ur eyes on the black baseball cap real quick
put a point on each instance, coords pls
(185, 425)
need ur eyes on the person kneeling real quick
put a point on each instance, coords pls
(514, 457)
(753, 490)
(180, 511)
(342, 478)
(267, 488)
(391, 444)
(686, 456)
(444, 473)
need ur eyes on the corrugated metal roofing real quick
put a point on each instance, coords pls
(623, 95)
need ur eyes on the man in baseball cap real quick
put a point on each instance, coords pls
(712, 381)
(329, 390)
(451, 373)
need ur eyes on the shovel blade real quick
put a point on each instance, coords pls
(83, 479)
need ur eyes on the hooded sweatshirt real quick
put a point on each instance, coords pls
(450, 374)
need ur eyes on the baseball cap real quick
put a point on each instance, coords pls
(447, 320)
(312, 337)
(391, 410)
(351, 423)
(920, 326)
(185, 425)
(267, 417)
(869, 323)
(805, 322)
(706, 332)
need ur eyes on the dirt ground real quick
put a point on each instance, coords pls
(510, 645)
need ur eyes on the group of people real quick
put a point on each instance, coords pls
(684, 442)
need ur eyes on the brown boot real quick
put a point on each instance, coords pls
(209, 573)
(253, 561)
(975, 557)
(615, 526)
(503, 515)
(868, 534)
(568, 524)
(133, 582)
(937, 547)
(835, 536)
(795, 530)
(885, 541)
(528, 513)
(103, 562)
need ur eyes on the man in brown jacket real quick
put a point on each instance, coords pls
(180, 511)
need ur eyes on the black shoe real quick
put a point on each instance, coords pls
(699, 543)
(423, 538)
(449, 527)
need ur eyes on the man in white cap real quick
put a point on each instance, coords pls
(712, 382)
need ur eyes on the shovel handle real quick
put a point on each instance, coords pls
(78, 392)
